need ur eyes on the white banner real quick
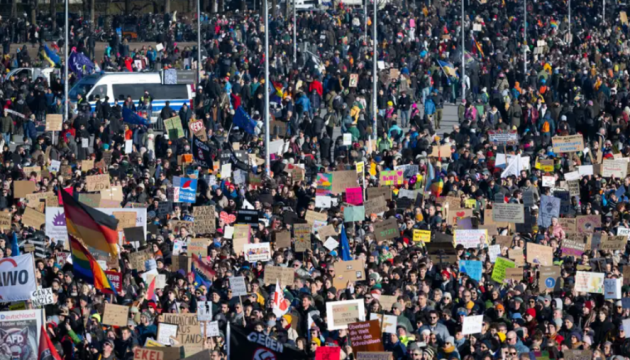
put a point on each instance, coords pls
(17, 278)
(23, 327)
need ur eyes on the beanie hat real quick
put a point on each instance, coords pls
(531, 312)
(569, 318)
(317, 341)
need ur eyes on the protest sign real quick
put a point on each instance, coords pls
(499, 137)
(312, 216)
(472, 268)
(205, 219)
(570, 354)
(33, 218)
(590, 282)
(341, 180)
(341, 313)
(442, 151)
(539, 254)
(302, 234)
(284, 275)
(348, 271)
(328, 353)
(517, 256)
(613, 243)
(549, 208)
(392, 177)
(17, 278)
(353, 213)
(375, 356)
(365, 336)
(326, 231)
(511, 213)
(386, 230)
(188, 331)
(354, 80)
(567, 144)
(569, 225)
(548, 181)
(421, 235)
(612, 288)
(174, 128)
(23, 188)
(257, 252)
(500, 266)
(238, 286)
(549, 278)
(115, 278)
(116, 315)
(97, 182)
(198, 246)
(375, 205)
(283, 239)
(616, 168)
(514, 274)
(471, 238)
(323, 202)
(21, 331)
(472, 325)
(573, 247)
(42, 297)
(354, 196)
(165, 333)
(388, 323)
(147, 354)
(373, 192)
(588, 223)
(54, 122)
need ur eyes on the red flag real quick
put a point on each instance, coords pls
(47, 350)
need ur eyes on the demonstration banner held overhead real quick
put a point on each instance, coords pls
(25, 326)
(17, 278)
(248, 344)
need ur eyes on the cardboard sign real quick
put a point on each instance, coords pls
(174, 128)
(375, 205)
(283, 239)
(188, 331)
(97, 182)
(284, 275)
(341, 313)
(577, 354)
(442, 151)
(312, 216)
(588, 223)
(613, 243)
(5, 220)
(302, 234)
(514, 274)
(567, 144)
(138, 259)
(341, 180)
(205, 219)
(549, 278)
(573, 247)
(348, 271)
(33, 218)
(366, 336)
(616, 168)
(539, 254)
(116, 315)
(54, 122)
(511, 213)
(386, 230)
(374, 356)
(147, 354)
(23, 188)
(373, 192)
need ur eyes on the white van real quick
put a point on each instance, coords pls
(117, 86)
(33, 73)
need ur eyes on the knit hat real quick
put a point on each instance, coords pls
(288, 318)
(531, 312)
(569, 318)
(430, 352)
(317, 341)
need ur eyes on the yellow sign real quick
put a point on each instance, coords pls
(470, 203)
(360, 165)
(373, 169)
(152, 343)
(421, 235)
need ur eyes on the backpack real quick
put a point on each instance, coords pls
(545, 127)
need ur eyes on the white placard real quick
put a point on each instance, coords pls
(626, 327)
(159, 47)
(165, 331)
(622, 231)
(612, 288)
(391, 322)
(347, 139)
(226, 171)
(204, 310)
(42, 297)
(128, 146)
(238, 286)
(346, 307)
(18, 278)
(494, 251)
(213, 329)
(323, 202)
(228, 231)
(331, 244)
(574, 175)
(585, 170)
(472, 325)
(85, 143)
(257, 252)
(548, 181)
(55, 165)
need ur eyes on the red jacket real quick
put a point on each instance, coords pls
(317, 86)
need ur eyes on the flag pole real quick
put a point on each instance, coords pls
(65, 87)
(268, 157)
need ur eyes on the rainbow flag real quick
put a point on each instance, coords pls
(436, 187)
(96, 229)
(85, 267)
(279, 88)
(554, 23)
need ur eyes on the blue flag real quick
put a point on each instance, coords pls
(132, 118)
(242, 120)
(15, 248)
(345, 246)
(80, 64)
(51, 54)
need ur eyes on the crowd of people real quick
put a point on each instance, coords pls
(526, 90)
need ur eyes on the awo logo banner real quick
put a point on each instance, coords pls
(17, 280)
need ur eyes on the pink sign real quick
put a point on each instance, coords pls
(354, 196)
(412, 23)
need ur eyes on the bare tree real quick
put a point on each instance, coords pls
(34, 12)
(167, 6)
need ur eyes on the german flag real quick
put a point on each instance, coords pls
(94, 228)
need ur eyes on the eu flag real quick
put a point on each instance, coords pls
(242, 120)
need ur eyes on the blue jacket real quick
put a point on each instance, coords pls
(30, 130)
(305, 102)
(399, 350)
(429, 107)
(396, 128)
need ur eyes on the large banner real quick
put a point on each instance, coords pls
(56, 221)
(20, 331)
(248, 344)
(17, 278)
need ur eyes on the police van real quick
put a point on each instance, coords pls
(118, 86)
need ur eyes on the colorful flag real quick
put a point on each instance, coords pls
(151, 295)
(279, 88)
(448, 68)
(47, 350)
(51, 55)
(280, 304)
(430, 177)
(15, 248)
(85, 266)
(436, 187)
(96, 229)
(80, 64)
